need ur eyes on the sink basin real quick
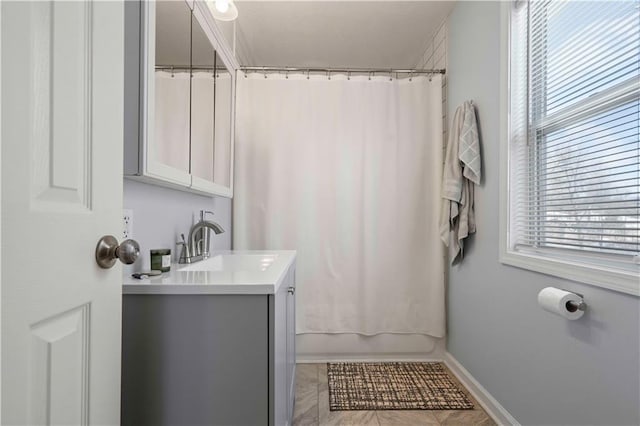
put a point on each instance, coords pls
(233, 263)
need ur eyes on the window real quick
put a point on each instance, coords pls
(574, 141)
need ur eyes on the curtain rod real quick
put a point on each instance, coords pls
(186, 68)
(347, 70)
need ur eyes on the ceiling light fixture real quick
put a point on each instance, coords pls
(223, 10)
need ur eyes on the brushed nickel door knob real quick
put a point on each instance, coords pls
(108, 250)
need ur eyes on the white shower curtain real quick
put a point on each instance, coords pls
(346, 172)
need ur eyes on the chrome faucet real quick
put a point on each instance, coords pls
(197, 246)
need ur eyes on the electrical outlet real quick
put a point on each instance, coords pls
(127, 224)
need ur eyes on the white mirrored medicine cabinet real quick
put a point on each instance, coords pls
(180, 77)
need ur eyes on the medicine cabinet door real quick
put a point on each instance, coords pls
(211, 115)
(223, 155)
(168, 99)
(203, 94)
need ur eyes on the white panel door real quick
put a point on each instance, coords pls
(62, 112)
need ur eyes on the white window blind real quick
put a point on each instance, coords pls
(575, 128)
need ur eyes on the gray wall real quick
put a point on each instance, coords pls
(161, 214)
(543, 369)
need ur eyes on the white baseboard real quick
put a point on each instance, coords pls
(499, 414)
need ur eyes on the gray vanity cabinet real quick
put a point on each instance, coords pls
(214, 359)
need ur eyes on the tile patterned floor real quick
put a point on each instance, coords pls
(312, 407)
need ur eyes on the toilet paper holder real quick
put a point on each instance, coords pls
(573, 306)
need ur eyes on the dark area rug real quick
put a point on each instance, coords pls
(393, 386)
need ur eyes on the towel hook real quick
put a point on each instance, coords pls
(307, 74)
(172, 74)
(286, 74)
(348, 75)
(411, 76)
(264, 70)
(390, 75)
(329, 74)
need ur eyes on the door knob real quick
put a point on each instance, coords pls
(108, 250)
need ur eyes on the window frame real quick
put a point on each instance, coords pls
(594, 269)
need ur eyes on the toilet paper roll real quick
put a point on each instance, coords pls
(556, 301)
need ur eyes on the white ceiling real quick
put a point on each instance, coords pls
(354, 34)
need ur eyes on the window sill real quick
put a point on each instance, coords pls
(617, 279)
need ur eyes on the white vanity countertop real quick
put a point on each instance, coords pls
(224, 272)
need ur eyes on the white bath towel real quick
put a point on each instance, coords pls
(469, 147)
(462, 169)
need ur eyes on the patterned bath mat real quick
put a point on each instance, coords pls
(393, 386)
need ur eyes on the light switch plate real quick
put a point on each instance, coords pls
(127, 224)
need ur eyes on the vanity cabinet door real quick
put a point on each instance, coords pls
(291, 341)
(279, 391)
(283, 351)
